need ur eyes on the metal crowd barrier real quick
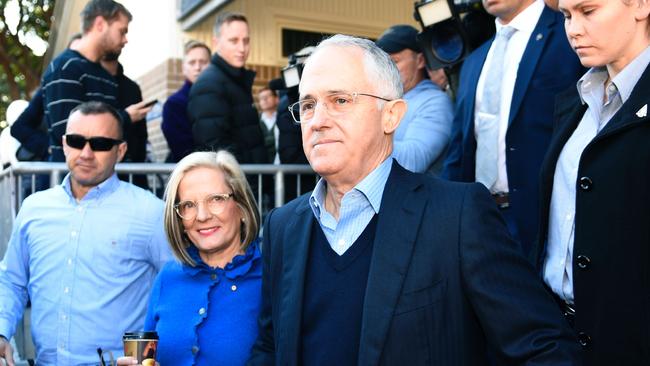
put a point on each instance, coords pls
(19, 180)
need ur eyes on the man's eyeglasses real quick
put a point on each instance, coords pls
(336, 104)
(96, 143)
(187, 210)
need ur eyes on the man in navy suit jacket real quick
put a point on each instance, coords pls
(381, 266)
(538, 65)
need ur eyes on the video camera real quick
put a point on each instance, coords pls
(451, 29)
(291, 74)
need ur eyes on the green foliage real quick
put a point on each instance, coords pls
(20, 68)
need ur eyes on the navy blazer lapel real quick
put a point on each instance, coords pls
(296, 241)
(538, 39)
(397, 228)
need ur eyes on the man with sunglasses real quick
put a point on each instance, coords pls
(85, 252)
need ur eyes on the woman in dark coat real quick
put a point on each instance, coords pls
(595, 188)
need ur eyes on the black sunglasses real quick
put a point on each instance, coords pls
(96, 143)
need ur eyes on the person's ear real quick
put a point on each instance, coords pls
(100, 24)
(642, 11)
(121, 150)
(215, 43)
(420, 61)
(392, 115)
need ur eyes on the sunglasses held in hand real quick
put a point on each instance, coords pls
(96, 143)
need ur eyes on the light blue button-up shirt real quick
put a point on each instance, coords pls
(358, 206)
(603, 102)
(86, 266)
(423, 134)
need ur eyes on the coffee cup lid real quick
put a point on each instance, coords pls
(140, 335)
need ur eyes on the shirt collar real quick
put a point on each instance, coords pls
(526, 21)
(626, 80)
(589, 82)
(272, 118)
(420, 87)
(237, 267)
(103, 188)
(372, 187)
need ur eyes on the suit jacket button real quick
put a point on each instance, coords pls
(584, 339)
(586, 184)
(195, 350)
(583, 262)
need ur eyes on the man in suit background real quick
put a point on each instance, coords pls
(383, 266)
(504, 109)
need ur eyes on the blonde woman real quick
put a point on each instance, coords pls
(595, 186)
(204, 306)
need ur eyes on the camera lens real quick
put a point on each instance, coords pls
(447, 43)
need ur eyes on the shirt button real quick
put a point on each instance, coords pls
(80, 209)
(73, 233)
(69, 261)
(586, 183)
(213, 277)
(66, 290)
(341, 243)
(201, 311)
(233, 287)
(195, 350)
(583, 262)
(64, 317)
(584, 339)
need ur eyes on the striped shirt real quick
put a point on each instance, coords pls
(70, 80)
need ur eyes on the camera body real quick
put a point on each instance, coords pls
(451, 29)
(293, 71)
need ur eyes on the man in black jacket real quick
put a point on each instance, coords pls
(135, 133)
(220, 105)
(75, 76)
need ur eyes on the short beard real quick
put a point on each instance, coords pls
(112, 56)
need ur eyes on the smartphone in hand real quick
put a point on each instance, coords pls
(150, 103)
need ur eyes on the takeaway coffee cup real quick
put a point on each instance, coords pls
(141, 346)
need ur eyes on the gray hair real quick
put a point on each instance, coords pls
(380, 68)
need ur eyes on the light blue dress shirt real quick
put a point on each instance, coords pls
(423, 134)
(87, 267)
(603, 102)
(358, 206)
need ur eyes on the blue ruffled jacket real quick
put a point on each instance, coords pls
(204, 315)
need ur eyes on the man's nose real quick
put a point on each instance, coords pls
(87, 152)
(321, 116)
